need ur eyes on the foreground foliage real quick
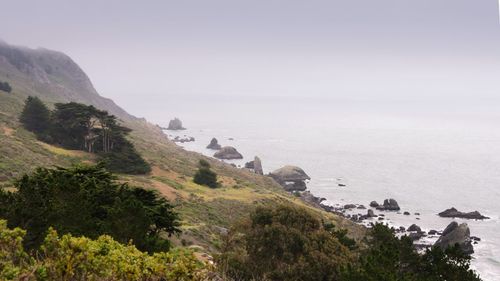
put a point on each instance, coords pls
(79, 258)
(84, 127)
(283, 243)
(289, 243)
(86, 200)
(391, 258)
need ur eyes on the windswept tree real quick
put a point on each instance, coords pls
(35, 116)
(86, 200)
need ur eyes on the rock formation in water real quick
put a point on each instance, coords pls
(175, 124)
(292, 178)
(255, 165)
(228, 153)
(389, 205)
(214, 144)
(454, 213)
(456, 234)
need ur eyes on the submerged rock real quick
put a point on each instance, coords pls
(228, 153)
(456, 234)
(214, 144)
(454, 213)
(175, 124)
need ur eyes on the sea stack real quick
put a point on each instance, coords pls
(214, 144)
(292, 178)
(456, 234)
(228, 153)
(175, 125)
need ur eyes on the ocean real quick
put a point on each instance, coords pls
(429, 155)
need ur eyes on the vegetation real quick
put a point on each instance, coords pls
(205, 176)
(283, 243)
(79, 258)
(83, 127)
(35, 117)
(390, 258)
(4, 86)
(289, 243)
(86, 200)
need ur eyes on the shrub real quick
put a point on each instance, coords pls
(86, 200)
(283, 243)
(205, 176)
(79, 258)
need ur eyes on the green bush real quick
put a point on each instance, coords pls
(205, 176)
(86, 200)
(390, 258)
(80, 258)
(283, 243)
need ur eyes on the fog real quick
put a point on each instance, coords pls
(140, 52)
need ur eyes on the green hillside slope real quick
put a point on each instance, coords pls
(54, 77)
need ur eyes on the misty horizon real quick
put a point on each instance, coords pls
(395, 50)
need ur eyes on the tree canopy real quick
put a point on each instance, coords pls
(86, 200)
(84, 127)
(35, 116)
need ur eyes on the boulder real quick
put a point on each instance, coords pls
(228, 153)
(456, 234)
(370, 213)
(289, 174)
(454, 213)
(349, 206)
(257, 166)
(414, 227)
(295, 186)
(374, 204)
(175, 124)
(432, 232)
(249, 165)
(214, 144)
(406, 213)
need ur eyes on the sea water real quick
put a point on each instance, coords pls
(429, 155)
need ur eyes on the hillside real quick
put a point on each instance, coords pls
(54, 77)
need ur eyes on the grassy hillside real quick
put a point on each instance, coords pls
(203, 211)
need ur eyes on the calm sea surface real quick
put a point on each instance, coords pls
(428, 155)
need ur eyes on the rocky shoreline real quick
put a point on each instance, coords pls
(293, 179)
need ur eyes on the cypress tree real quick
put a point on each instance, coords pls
(35, 116)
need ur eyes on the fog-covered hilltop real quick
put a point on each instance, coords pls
(52, 76)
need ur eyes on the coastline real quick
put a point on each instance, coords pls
(317, 199)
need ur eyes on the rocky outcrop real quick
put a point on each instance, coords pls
(183, 139)
(257, 166)
(311, 199)
(228, 153)
(214, 144)
(414, 227)
(389, 205)
(454, 213)
(292, 178)
(175, 124)
(456, 234)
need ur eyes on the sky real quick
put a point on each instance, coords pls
(361, 49)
